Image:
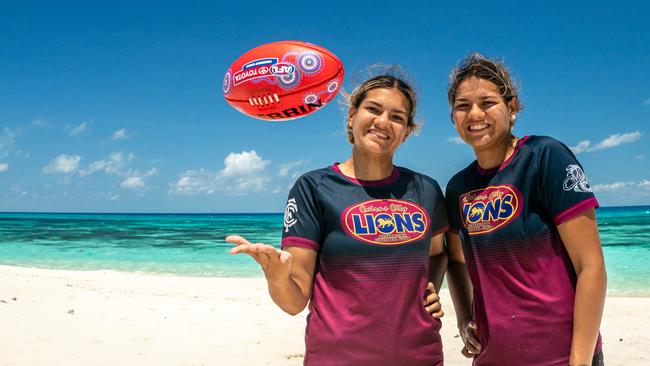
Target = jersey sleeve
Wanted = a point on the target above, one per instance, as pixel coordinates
(439, 223)
(564, 188)
(302, 217)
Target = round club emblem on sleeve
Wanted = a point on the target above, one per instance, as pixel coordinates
(289, 214)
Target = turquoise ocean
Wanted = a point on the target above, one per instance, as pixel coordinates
(193, 244)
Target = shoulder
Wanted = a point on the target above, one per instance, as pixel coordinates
(314, 177)
(544, 144)
(458, 180)
(419, 178)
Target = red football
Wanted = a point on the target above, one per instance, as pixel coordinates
(283, 80)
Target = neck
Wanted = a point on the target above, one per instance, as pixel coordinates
(494, 157)
(365, 167)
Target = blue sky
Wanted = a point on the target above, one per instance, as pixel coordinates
(118, 108)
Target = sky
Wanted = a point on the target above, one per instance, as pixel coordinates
(118, 108)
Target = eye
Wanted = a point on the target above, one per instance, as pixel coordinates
(489, 103)
(372, 109)
(398, 118)
(461, 107)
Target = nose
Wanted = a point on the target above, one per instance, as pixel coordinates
(381, 119)
(476, 113)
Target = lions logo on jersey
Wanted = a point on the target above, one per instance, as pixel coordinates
(385, 222)
(485, 210)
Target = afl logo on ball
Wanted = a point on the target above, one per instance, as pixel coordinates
(282, 69)
(485, 210)
(385, 222)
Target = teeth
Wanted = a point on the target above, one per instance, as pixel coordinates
(477, 127)
(379, 134)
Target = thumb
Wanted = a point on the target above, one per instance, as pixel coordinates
(431, 288)
(285, 257)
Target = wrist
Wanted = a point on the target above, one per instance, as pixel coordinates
(275, 278)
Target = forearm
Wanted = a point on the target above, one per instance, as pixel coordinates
(288, 294)
(588, 309)
(437, 269)
(460, 289)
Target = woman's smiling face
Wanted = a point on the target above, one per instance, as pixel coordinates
(379, 125)
(481, 116)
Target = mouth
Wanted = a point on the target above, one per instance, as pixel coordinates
(477, 127)
(379, 134)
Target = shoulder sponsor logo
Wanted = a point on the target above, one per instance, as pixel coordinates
(290, 214)
(385, 222)
(576, 180)
(486, 210)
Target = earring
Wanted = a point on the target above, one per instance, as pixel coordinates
(514, 117)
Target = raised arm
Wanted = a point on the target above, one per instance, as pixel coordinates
(289, 273)
(581, 240)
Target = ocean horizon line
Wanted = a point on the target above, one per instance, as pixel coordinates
(208, 213)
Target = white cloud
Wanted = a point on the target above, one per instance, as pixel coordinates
(193, 182)
(244, 163)
(616, 186)
(639, 157)
(7, 139)
(4, 167)
(611, 187)
(115, 164)
(120, 134)
(609, 142)
(136, 180)
(133, 183)
(647, 101)
(284, 168)
(39, 123)
(243, 172)
(455, 140)
(63, 164)
(76, 131)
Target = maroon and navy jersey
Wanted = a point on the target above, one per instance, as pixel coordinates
(524, 282)
(372, 240)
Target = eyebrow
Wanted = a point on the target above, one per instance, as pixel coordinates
(381, 106)
(481, 98)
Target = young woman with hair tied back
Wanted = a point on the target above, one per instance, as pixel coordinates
(362, 244)
(523, 226)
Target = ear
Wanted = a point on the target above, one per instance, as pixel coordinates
(409, 130)
(351, 114)
(513, 106)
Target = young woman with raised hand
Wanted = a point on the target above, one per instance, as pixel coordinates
(357, 243)
(523, 226)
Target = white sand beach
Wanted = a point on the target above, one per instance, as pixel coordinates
(54, 317)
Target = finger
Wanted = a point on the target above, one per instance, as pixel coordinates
(242, 248)
(472, 343)
(432, 298)
(430, 287)
(237, 240)
(264, 248)
(438, 314)
(466, 353)
(472, 325)
(285, 257)
(435, 306)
